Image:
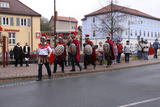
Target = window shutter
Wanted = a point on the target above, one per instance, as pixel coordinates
(11, 21)
(29, 22)
(0, 21)
(17, 22)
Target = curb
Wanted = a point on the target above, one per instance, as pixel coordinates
(59, 75)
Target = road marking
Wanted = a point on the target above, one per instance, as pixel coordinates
(140, 102)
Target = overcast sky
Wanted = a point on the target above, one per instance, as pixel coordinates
(79, 8)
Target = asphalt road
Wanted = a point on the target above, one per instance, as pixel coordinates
(135, 87)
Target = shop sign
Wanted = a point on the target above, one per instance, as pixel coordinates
(9, 30)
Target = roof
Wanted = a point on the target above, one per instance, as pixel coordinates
(62, 18)
(18, 8)
(118, 8)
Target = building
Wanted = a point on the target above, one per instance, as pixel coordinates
(64, 24)
(19, 23)
(135, 24)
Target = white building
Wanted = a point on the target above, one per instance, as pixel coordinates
(135, 25)
(64, 24)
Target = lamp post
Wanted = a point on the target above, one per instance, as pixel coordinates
(55, 18)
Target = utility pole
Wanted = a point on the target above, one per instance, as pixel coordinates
(55, 18)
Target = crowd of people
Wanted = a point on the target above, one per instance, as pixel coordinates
(67, 52)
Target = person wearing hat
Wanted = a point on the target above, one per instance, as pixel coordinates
(75, 59)
(127, 51)
(43, 52)
(60, 59)
(89, 59)
(111, 43)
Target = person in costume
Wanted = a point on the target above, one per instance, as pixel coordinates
(89, 59)
(75, 58)
(110, 42)
(61, 58)
(44, 52)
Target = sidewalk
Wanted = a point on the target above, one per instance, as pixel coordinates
(12, 72)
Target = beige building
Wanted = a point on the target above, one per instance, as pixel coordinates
(19, 23)
(64, 24)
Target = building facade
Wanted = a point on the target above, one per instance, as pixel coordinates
(64, 24)
(19, 23)
(135, 25)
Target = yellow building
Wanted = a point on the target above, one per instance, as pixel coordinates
(19, 23)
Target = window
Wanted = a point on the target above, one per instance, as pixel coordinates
(93, 19)
(159, 35)
(140, 33)
(135, 32)
(12, 39)
(131, 32)
(148, 34)
(94, 33)
(4, 5)
(155, 34)
(22, 22)
(151, 34)
(144, 33)
(5, 21)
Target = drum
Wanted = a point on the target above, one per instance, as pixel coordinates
(72, 49)
(106, 47)
(59, 50)
(88, 50)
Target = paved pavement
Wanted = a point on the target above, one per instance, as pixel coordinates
(31, 71)
(131, 87)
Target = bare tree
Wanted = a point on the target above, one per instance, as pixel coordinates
(110, 23)
(45, 24)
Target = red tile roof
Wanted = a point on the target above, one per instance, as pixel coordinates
(17, 8)
(68, 19)
(121, 9)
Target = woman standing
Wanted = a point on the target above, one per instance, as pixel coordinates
(44, 52)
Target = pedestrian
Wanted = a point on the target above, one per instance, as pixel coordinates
(146, 49)
(89, 53)
(43, 52)
(26, 51)
(127, 51)
(100, 53)
(156, 46)
(142, 44)
(139, 50)
(11, 53)
(60, 54)
(18, 55)
(75, 52)
(120, 51)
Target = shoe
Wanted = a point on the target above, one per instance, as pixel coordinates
(73, 70)
(39, 79)
(80, 68)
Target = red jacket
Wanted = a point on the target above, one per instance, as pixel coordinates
(112, 48)
(120, 48)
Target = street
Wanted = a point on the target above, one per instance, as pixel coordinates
(132, 87)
